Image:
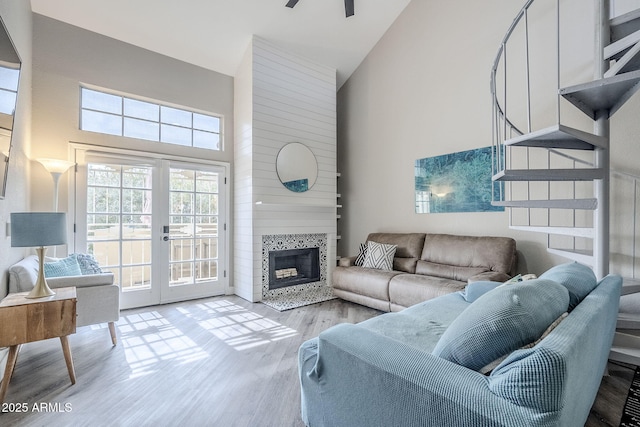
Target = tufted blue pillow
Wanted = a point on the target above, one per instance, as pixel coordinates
(577, 278)
(63, 267)
(88, 264)
(501, 321)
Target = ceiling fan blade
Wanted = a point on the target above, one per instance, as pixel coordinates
(291, 3)
(348, 8)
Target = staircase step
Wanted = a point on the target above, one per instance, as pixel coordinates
(603, 94)
(586, 204)
(623, 25)
(629, 62)
(562, 231)
(616, 49)
(582, 256)
(586, 174)
(559, 136)
(625, 348)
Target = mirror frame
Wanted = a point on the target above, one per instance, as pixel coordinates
(297, 167)
(10, 59)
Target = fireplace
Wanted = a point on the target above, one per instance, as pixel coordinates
(290, 267)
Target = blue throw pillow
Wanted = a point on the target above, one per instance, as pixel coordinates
(88, 264)
(501, 321)
(63, 267)
(475, 290)
(577, 278)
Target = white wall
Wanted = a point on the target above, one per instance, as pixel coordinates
(291, 99)
(423, 91)
(66, 56)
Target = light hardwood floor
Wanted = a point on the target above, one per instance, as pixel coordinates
(214, 362)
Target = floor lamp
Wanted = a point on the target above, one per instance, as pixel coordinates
(56, 168)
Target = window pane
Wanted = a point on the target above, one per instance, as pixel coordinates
(173, 116)
(106, 253)
(181, 203)
(141, 129)
(141, 109)
(208, 123)
(7, 102)
(136, 201)
(207, 204)
(206, 182)
(136, 177)
(101, 101)
(207, 270)
(135, 277)
(101, 122)
(206, 140)
(9, 78)
(105, 227)
(175, 135)
(181, 180)
(104, 175)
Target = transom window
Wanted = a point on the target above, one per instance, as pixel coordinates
(119, 115)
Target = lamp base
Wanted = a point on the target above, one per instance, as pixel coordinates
(41, 289)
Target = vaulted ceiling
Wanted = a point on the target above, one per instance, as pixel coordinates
(215, 34)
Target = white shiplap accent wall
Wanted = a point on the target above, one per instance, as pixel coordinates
(292, 99)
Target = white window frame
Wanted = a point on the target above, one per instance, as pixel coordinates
(122, 116)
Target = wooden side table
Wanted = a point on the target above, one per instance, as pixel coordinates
(24, 320)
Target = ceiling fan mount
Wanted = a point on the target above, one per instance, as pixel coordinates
(348, 6)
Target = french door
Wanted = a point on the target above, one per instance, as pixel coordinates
(159, 225)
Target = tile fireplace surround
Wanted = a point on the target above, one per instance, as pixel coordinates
(297, 295)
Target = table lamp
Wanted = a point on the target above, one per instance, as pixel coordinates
(39, 229)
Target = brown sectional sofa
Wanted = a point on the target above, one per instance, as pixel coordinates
(425, 266)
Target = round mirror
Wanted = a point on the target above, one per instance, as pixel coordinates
(297, 167)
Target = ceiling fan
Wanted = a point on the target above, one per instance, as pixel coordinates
(348, 6)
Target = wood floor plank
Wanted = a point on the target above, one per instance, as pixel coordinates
(213, 362)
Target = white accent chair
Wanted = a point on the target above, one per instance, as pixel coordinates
(98, 297)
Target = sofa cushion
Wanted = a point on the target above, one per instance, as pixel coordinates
(409, 248)
(406, 290)
(452, 272)
(365, 281)
(501, 321)
(379, 256)
(577, 278)
(63, 267)
(490, 253)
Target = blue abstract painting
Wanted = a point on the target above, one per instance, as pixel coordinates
(457, 182)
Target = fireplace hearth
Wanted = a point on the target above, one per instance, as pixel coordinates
(290, 267)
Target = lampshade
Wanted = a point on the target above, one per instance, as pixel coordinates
(56, 165)
(30, 229)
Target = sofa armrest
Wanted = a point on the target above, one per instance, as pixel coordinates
(348, 261)
(489, 276)
(84, 281)
(356, 377)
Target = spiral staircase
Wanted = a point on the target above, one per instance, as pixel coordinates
(556, 180)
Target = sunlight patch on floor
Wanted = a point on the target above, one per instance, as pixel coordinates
(148, 339)
(237, 326)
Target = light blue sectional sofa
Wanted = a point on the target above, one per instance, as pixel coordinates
(425, 365)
